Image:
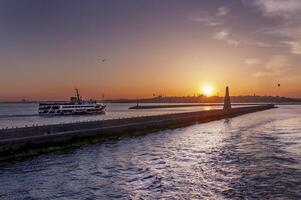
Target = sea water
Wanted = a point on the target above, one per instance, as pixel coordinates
(253, 156)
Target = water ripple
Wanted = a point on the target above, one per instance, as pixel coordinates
(255, 156)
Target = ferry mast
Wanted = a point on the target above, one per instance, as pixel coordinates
(78, 97)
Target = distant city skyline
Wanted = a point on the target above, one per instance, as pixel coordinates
(137, 48)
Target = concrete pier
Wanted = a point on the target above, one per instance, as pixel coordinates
(19, 141)
(189, 105)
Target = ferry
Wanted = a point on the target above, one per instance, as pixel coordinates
(76, 106)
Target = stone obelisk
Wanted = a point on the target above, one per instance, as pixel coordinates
(227, 102)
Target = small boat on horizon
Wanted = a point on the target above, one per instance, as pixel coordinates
(76, 106)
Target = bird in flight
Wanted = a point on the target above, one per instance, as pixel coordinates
(103, 59)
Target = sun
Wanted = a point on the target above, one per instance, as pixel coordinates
(207, 90)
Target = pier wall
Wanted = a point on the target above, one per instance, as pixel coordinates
(139, 107)
(17, 140)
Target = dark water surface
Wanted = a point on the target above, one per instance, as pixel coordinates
(26, 114)
(254, 156)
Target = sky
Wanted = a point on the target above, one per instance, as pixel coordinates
(170, 47)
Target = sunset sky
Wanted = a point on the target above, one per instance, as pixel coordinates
(167, 47)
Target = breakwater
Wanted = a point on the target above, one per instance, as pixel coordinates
(188, 105)
(22, 140)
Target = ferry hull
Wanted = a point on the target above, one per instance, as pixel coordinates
(82, 111)
(76, 106)
(75, 113)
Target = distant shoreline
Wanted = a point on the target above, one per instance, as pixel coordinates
(191, 99)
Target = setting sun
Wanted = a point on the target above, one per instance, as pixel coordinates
(207, 90)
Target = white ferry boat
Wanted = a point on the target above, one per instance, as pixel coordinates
(76, 106)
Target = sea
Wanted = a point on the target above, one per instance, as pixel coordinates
(253, 156)
(13, 115)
